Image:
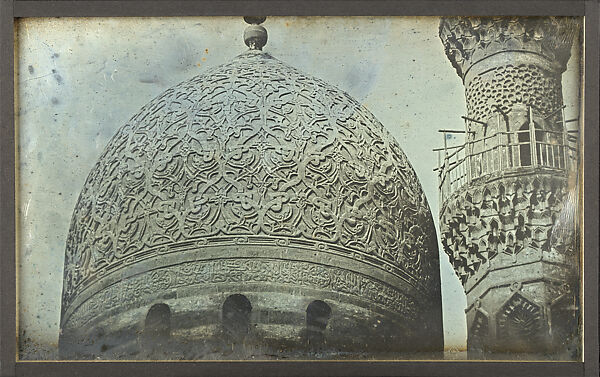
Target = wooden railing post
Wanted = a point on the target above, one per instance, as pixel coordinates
(565, 145)
(446, 167)
(517, 150)
(468, 160)
(467, 150)
(532, 140)
(499, 151)
(499, 141)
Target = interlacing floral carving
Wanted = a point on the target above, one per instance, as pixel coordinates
(252, 147)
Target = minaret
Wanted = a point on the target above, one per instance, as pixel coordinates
(508, 195)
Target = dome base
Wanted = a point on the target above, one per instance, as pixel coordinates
(278, 325)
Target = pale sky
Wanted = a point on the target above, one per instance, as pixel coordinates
(79, 80)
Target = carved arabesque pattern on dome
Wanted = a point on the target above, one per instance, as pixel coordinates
(251, 147)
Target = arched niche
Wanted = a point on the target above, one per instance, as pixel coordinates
(317, 316)
(236, 317)
(157, 326)
(525, 141)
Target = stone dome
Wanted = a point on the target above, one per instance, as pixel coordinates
(252, 177)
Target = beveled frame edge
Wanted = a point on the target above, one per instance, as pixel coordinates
(7, 193)
(11, 9)
(590, 188)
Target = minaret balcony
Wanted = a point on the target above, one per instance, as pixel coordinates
(503, 153)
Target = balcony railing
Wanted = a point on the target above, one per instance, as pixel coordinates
(502, 152)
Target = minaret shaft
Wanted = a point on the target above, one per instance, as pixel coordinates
(507, 194)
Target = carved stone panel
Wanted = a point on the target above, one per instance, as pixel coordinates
(520, 325)
(479, 333)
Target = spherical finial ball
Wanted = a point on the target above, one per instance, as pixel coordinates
(255, 37)
(253, 20)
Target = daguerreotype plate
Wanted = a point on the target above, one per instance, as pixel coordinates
(298, 194)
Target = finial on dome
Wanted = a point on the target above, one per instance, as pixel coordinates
(255, 36)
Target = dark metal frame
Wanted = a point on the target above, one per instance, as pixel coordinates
(11, 9)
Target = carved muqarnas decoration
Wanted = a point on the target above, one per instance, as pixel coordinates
(468, 39)
(507, 218)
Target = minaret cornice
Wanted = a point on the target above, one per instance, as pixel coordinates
(470, 40)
